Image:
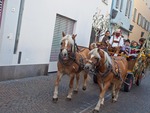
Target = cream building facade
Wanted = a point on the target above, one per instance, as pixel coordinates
(140, 20)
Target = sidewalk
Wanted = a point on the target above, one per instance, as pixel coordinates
(34, 95)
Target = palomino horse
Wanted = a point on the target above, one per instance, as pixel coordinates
(70, 63)
(108, 71)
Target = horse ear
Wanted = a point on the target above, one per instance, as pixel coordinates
(63, 34)
(74, 36)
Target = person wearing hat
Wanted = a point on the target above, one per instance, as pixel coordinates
(116, 41)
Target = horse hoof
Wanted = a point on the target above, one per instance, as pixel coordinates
(84, 88)
(113, 101)
(55, 100)
(68, 99)
(95, 111)
(75, 91)
(102, 105)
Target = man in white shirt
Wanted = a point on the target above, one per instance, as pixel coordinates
(116, 40)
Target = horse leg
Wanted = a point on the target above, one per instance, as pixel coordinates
(70, 86)
(77, 83)
(101, 97)
(84, 81)
(116, 90)
(113, 92)
(55, 96)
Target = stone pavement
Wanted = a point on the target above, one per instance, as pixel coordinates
(34, 95)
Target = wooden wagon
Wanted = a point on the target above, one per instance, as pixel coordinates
(136, 70)
(137, 66)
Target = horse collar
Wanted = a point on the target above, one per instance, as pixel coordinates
(108, 70)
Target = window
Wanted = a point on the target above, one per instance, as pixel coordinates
(141, 22)
(134, 15)
(1, 10)
(129, 11)
(146, 25)
(128, 8)
(121, 5)
(117, 4)
(149, 26)
(126, 12)
(62, 24)
(139, 19)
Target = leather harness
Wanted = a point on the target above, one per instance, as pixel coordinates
(72, 59)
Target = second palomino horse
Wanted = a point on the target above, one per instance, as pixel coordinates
(108, 71)
(70, 63)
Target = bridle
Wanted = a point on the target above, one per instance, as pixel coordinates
(97, 65)
(71, 56)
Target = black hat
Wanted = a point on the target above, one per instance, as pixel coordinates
(127, 40)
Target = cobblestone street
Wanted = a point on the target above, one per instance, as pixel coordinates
(34, 95)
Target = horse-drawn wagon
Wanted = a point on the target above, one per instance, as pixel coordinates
(137, 66)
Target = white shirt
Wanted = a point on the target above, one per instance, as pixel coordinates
(114, 38)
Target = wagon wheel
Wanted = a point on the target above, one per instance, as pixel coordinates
(95, 78)
(128, 83)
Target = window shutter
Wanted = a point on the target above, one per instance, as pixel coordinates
(62, 24)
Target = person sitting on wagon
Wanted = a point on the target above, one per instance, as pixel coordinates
(104, 41)
(141, 42)
(116, 41)
(134, 49)
(126, 49)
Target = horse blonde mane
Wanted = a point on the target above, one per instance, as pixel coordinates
(69, 38)
(97, 55)
(107, 57)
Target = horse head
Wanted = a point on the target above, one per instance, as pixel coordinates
(67, 45)
(97, 57)
(93, 60)
(92, 46)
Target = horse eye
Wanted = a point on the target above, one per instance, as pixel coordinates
(61, 43)
(96, 58)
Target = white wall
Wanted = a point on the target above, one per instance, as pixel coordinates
(83, 12)
(38, 23)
